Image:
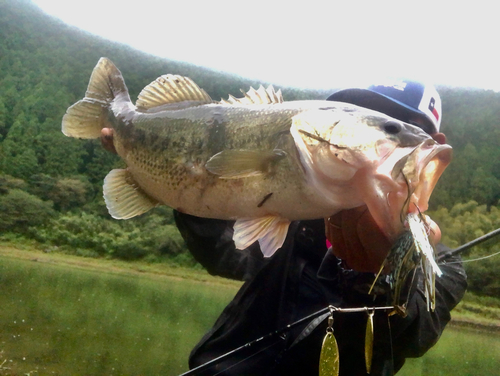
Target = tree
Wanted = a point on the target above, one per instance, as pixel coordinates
(19, 210)
(463, 223)
(70, 193)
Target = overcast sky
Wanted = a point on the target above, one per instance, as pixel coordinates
(318, 44)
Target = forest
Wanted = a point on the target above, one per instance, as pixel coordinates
(51, 185)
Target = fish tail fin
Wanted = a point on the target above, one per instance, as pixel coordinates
(87, 117)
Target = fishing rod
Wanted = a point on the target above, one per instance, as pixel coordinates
(474, 242)
(319, 315)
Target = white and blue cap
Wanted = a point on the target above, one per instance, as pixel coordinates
(407, 100)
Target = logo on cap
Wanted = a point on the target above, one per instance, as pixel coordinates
(432, 108)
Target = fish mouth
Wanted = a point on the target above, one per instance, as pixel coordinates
(421, 171)
(403, 184)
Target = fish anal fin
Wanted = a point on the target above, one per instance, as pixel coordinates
(270, 231)
(259, 96)
(236, 164)
(124, 199)
(169, 89)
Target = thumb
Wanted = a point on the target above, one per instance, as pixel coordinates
(435, 231)
(107, 139)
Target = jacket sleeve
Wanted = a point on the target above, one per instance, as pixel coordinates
(421, 328)
(211, 244)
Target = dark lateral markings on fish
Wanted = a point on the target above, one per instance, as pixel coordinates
(266, 197)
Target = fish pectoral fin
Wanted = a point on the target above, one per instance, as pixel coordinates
(236, 164)
(124, 199)
(270, 231)
(170, 89)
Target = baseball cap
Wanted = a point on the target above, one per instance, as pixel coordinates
(403, 99)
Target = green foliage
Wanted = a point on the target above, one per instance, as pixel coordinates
(68, 193)
(81, 232)
(471, 122)
(3, 120)
(19, 210)
(464, 223)
(8, 182)
(483, 277)
(65, 193)
(27, 208)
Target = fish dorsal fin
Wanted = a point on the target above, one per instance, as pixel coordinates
(260, 96)
(237, 164)
(170, 89)
(270, 231)
(124, 199)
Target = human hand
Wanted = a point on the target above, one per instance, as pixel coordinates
(357, 240)
(107, 139)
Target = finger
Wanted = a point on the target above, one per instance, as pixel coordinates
(435, 231)
(440, 138)
(107, 139)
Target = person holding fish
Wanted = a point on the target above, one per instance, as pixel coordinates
(249, 179)
(308, 274)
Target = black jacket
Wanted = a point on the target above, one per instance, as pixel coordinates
(300, 279)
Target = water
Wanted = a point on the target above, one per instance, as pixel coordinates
(66, 321)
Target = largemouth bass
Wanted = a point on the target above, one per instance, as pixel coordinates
(257, 160)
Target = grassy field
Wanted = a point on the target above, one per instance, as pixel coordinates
(64, 315)
(69, 316)
(459, 352)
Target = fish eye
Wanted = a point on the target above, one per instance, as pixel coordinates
(392, 127)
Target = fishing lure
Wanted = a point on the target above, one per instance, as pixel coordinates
(411, 250)
(369, 341)
(329, 357)
(430, 268)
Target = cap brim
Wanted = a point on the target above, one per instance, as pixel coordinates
(381, 103)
